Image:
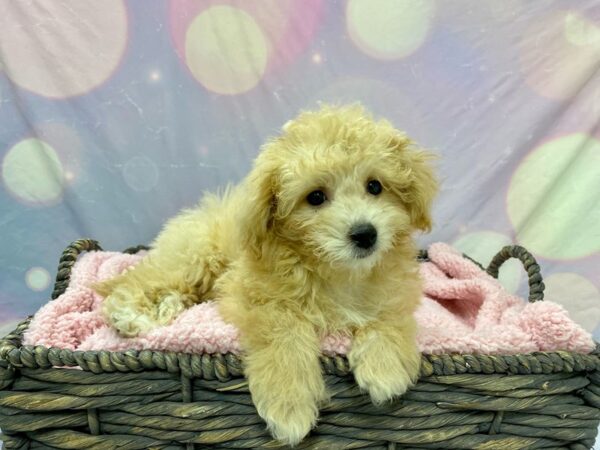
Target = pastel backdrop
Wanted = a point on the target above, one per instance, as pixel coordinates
(116, 114)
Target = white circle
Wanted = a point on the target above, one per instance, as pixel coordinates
(389, 29)
(37, 278)
(552, 198)
(580, 31)
(60, 49)
(140, 173)
(33, 173)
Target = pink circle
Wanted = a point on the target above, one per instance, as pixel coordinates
(58, 50)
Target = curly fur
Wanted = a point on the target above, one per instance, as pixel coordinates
(285, 272)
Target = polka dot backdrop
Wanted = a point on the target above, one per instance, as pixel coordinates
(117, 114)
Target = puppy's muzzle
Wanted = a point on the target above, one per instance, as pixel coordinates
(364, 236)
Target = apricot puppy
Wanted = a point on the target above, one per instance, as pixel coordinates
(316, 240)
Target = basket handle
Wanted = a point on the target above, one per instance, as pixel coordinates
(68, 259)
(536, 283)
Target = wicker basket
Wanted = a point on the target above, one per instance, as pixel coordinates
(153, 400)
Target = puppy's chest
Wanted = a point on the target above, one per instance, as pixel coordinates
(345, 306)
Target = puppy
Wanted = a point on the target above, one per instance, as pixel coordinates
(316, 240)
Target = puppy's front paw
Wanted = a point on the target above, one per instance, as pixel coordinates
(288, 419)
(382, 385)
(384, 372)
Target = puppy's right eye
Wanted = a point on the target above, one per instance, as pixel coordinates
(316, 198)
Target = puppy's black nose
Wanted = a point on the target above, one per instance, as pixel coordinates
(363, 235)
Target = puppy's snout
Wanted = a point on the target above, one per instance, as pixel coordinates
(363, 235)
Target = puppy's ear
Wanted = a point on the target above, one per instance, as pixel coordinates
(417, 183)
(256, 214)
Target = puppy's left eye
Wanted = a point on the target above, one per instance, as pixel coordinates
(374, 187)
(316, 198)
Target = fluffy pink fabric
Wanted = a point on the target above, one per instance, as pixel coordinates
(463, 310)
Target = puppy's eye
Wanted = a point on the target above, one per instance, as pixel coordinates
(374, 187)
(316, 198)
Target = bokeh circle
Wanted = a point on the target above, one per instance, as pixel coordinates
(37, 278)
(273, 33)
(59, 51)
(389, 29)
(226, 50)
(552, 199)
(140, 173)
(33, 173)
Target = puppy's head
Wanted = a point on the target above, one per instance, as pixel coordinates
(338, 188)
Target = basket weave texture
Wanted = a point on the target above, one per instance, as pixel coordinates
(157, 400)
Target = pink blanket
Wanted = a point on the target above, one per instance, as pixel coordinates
(463, 310)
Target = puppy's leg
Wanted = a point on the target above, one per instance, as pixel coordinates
(384, 358)
(179, 271)
(283, 370)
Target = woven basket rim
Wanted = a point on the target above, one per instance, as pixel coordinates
(225, 366)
